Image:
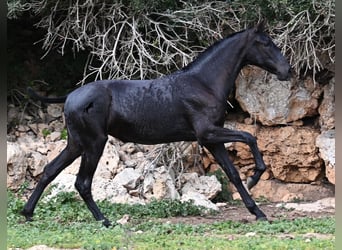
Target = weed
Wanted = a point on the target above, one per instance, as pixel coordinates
(46, 132)
(225, 194)
(64, 134)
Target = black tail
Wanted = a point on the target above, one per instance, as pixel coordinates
(34, 95)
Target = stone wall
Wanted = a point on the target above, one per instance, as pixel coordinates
(294, 124)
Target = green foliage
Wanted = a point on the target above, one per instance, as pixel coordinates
(64, 134)
(154, 209)
(274, 11)
(46, 132)
(225, 194)
(148, 5)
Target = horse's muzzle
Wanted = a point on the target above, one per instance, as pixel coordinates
(286, 75)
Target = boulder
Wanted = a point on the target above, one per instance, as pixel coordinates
(304, 100)
(273, 102)
(321, 205)
(104, 189)
(163, 185)
(209, 186)
(36, 162)
(199, 200)
(326, 144)
(128, 178)
(16, 166)
(109, 164)
(54, 136)
(55, 110)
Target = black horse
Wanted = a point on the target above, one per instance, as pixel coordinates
(188, 105)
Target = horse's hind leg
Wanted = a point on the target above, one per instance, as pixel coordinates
(90, 159)
(223, 135)
(51, 170)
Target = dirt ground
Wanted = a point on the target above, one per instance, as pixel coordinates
(273, 211)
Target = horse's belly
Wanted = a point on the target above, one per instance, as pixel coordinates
(153, 132)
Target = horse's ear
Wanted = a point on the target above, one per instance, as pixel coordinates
(260, 27)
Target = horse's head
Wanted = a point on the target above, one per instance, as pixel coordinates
(265, 54)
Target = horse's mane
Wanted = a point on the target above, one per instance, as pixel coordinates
(209, 50)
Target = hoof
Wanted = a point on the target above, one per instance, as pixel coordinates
(28, 217)
(106, 223)
(263, 218)
(250, 183)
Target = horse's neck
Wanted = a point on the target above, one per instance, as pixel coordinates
(220, 68)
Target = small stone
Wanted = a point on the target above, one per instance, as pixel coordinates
(250, 234)
(124, 220)
(55, 110)
(248, 121)
(54, 136)
(130, 163)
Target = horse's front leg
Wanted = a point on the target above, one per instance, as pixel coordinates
(219, 152)
(223, 135)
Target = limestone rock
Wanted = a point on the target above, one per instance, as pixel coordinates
(62, 183)
(54, 136)
(326, 144)
(290, 153)
(104, 189)
(55, 110)
(264, 98)
(209, 186)
(303, 101)
(274, 102)
(127, 178)
(16, 165)
(317, 206)
(276, 191)
(109, 162)
(36, 162)
(327, 107)
(199, 200)
(163, 185)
